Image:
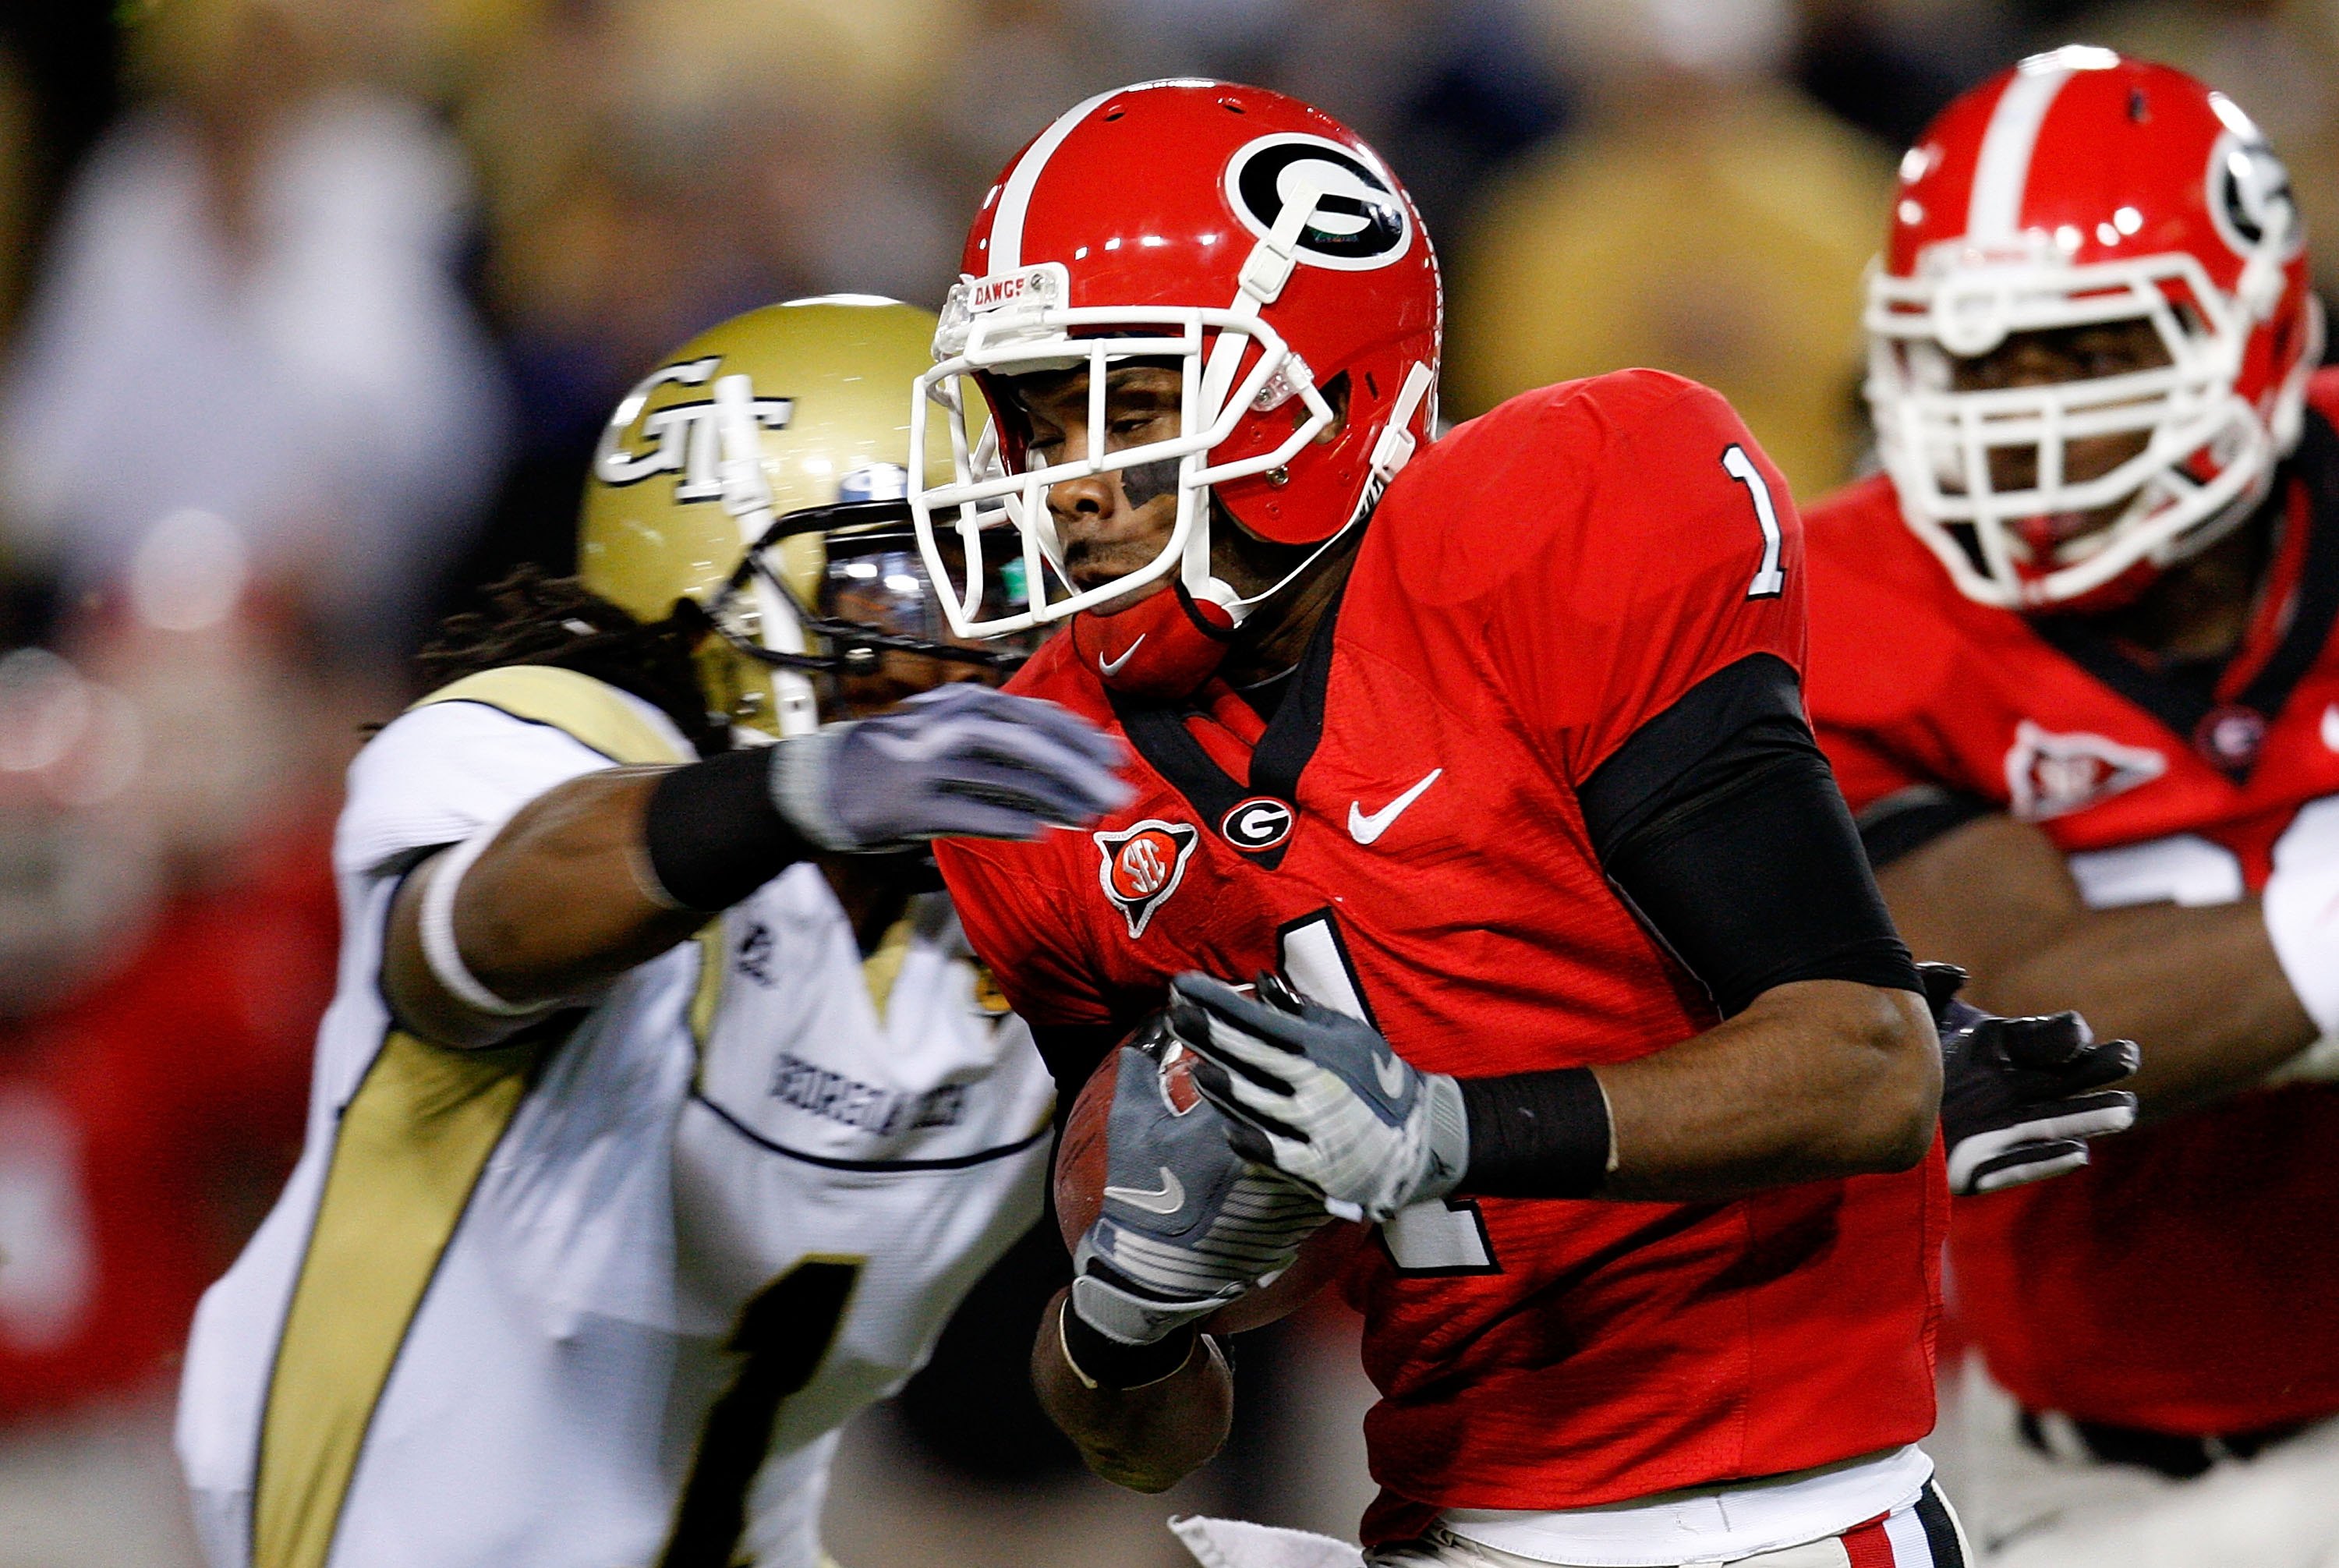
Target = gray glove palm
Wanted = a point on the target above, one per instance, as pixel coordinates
(962, 761)
(1321, 1097)
(1187, 1225)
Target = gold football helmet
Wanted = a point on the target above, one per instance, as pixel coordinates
(757, 481)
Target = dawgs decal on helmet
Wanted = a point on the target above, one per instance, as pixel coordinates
(1142, 865)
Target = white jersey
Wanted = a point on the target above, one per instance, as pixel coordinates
(600, 1297)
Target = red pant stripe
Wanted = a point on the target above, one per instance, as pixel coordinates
(1867, 1547)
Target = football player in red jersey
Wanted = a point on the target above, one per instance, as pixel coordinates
(2072, 660)
(1572, 958)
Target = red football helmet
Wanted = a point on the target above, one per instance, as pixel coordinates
(1253, 241)
(2083, 187)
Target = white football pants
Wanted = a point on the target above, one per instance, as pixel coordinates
(2025, 1509)
(1902, 1542)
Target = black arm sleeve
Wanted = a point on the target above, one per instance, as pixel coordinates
(1720, 821)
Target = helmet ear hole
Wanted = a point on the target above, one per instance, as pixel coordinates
(1336, 393)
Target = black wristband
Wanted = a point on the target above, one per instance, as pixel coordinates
(714, 835)
(1536, 1135)
(1109, 1364)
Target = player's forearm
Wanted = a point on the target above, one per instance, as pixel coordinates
(553, 906)
(1147, 1438)
(2197, 989)
(2196, 986)
(1816, 1080)
(564, 898)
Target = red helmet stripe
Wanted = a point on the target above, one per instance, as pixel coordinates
(1015, 194)
(2002, 171)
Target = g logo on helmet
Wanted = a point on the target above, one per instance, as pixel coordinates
(1359, 222)
(1142, 866)
(2249, 193)
(1260, 821)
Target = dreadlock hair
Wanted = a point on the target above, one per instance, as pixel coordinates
(536, 619)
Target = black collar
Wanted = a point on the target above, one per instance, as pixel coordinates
(2179, 698)
(1159, 732)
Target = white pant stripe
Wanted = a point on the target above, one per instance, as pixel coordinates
(1906, 1532)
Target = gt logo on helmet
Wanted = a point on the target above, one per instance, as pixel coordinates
(684, 434)
(1358, 223)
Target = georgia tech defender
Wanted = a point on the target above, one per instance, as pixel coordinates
(614, 1208)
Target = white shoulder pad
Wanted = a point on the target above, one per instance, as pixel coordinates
(471, 755)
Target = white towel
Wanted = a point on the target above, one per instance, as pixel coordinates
(1237, 1544)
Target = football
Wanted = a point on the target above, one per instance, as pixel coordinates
(1080, 1192)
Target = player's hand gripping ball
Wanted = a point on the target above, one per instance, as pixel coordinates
(1167, 1224)
(2021, 1097)
(1321, 1097)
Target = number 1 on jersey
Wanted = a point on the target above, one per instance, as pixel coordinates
(1770, 578)
(1441, 1237)
(784, 1336)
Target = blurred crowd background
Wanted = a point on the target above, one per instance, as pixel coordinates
(310, 311)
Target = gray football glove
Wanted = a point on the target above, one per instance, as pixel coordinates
(1187, 1226)
(1319, 1096)
(2021, 1097)
(962, 761)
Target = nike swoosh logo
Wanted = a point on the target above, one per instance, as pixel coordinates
(1391, 1073)
(1168, 1200)
(2331, 726)
(1364, 829)
(1112, 666)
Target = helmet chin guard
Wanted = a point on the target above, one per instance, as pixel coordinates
(1160, 648)
(747, 497)
(1266, 253)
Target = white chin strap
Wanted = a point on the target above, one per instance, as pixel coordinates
(1391, 452)
(748, 498)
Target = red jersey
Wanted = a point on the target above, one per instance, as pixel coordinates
(1532, 588)
(130, 1113)
(2184, 1280)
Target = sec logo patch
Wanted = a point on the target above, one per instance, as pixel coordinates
(1262, 821)
(1142, 866)
(2051, 775)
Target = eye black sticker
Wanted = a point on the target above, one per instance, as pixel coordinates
(1360, 222)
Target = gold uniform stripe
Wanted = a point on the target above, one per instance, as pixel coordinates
(411, 1148)
(594, 716)
(408, 1154)
(577, 704)
(881, 968)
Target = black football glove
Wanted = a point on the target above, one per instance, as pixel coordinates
(2021, 1097)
